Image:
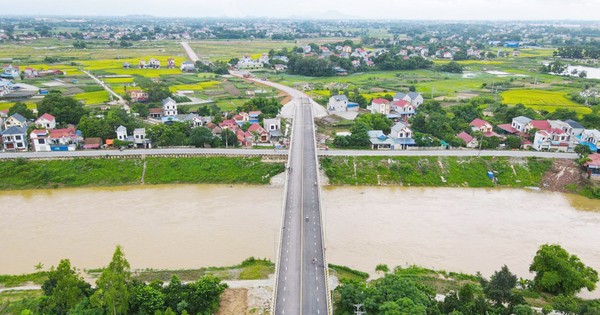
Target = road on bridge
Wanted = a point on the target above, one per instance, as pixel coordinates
(301, 270)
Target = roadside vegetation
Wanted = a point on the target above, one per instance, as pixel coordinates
(435, 171)
(80, 172)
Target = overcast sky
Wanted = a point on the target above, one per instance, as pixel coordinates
(366, 9)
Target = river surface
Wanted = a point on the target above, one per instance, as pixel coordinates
(191, 226)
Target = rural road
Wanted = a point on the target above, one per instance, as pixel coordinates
(301, 281)
(269, 152)
(104, 86)
(190, 52)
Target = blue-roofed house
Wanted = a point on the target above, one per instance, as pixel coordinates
(16, 120)
(11, 73)
(576, 128)
(15, 139)
(5, 87)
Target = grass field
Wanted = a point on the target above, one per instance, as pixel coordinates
(542, 99)
(93, 98)
(7, 105)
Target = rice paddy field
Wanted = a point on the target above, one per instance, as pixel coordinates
(518, 74)
(543, 100)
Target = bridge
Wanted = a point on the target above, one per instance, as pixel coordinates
(301, 284)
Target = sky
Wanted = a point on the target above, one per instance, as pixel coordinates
(359, 9)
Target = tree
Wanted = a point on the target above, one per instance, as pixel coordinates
(499, 288)
(21, 109)
(96, 127)
(158, 92)
(452, 67)
(112, 292)
(168, 135)
(65, 109)
(64, 288)
(228, 138)
(563, 114)
(512, 142)
(146, 299)
(558, 272)
(204, 295)
(382, 268)
(201, 137)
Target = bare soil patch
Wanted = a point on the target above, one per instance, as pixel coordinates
(563, 173)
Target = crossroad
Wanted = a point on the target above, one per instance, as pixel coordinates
(301, 286)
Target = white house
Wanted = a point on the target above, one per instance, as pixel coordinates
(16, 120)
(380, 106)
(40, 140)
(591, 136)
(5, 87)
(188, 66)
(46, 121)
(139, 138)
(169, 107)
(401, 131)
(247, 63)
(553, 140)
(404, 109)
(122, 133)
(561, 125)
(337, 103)
(577, 129)
(416, 99)
(520, 123)
(15, 139)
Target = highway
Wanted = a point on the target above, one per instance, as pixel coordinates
(270, 152)
(301, 274)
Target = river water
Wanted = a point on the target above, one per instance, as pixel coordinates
(191, 226)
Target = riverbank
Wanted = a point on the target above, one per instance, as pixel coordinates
(558, 175)
(89, 172)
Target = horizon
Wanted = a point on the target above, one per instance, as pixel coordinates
(426, 10)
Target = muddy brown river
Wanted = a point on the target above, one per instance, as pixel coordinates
(191, 226)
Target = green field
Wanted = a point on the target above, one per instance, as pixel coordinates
(93, 98)
(542, 100)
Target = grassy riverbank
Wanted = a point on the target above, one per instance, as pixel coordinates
(435, 171)
(79, 172)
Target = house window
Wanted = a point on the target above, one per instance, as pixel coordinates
(19, 145)
(41, 141)
(17, 137)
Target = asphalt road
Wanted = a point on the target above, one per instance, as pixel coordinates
(301, 281)
(196, 151)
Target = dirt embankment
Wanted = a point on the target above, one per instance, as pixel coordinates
(564, 173)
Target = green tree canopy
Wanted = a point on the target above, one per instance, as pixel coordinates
(64, 289)
(21, 108)
(65, 109)
(558, 272)
(112, 292)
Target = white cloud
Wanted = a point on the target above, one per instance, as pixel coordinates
(369, 9)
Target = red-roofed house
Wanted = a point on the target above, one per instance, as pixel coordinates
(137, 95)
(553, 140)
(539, 125)
(46, 121)
(380, 106)
(593, 166)
(481, 126)
(403, 108)
(156, 113)
(469, 140)
(261, 134)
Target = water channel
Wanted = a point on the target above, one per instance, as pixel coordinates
(191, 226)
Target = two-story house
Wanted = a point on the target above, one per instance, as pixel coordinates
(273, 126)
(14, 138)
(122, 133)
(337, 103)
(140, 139)
(520, 123)
(404, 109)
(46, 121)
(415, 99)
(553, 140)
(169, 107)
(16, 120)
(481, 125)
(591, 136)
(380, 106)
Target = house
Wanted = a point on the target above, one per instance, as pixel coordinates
(337, 103)
(593, 166)
(5, 87)
(280, 68)
(40, 140)
(137, 95)
(126, 65)
(404, 109)
(590, 136)
(30, 73)
(11, 73)
(539, 125)
(15, 139)
(401, 131)
(122, 133)
(253, 116)
(481, 126)
(259, 132)
(140, 140)
(576, 128)
(469, 140)
(16, 120)
(273, 126)
(188, 66)
(558, 124)
(553, 140)
(155, 64)
(194, 120)
(520, 123)
(169, 107)
(247, 63)
(415, 99)
(46, 121)
(92, 143)
(156, 113)
(381, 141)
(171, 63)
(380, 105)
